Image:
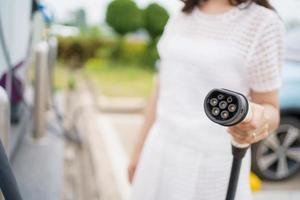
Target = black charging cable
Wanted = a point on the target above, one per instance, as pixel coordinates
(238, 155)
(229, 108)
(8, 183)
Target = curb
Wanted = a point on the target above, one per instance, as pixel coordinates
(105, 183)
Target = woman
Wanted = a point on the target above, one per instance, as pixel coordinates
(233, 44)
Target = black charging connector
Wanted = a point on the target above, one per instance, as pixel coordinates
(229, 108)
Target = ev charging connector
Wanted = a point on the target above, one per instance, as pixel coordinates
(228, 108)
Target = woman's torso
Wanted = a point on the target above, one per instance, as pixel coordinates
(200, 52)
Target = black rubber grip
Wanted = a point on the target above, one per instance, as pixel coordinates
(8, 183)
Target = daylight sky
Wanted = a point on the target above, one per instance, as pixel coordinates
(95, 9)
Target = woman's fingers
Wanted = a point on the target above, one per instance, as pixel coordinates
(253, 130)
(257, 120)
(130, 174)
(249, 136)
(238, 135)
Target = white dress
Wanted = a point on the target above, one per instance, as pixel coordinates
(186, 156)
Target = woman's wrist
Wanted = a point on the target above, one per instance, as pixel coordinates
(273, 116)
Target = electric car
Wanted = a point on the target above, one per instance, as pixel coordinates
(278, 157)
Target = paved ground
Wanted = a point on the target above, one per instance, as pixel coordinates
(38, 169)
(88, 170)
(79, 181)
(38, 165)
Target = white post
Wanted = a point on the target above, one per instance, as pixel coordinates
(41, 89)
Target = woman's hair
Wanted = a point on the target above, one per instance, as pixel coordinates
(189, 5)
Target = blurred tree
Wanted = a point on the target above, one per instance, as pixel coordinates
(124, 17)
(155, 19)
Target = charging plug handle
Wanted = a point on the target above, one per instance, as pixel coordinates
(238, 153)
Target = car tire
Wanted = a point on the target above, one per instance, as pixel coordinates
(278, 157)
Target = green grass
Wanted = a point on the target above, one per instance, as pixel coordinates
(117, 79)
(63, 77)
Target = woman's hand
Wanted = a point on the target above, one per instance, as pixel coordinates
(132, 167)
(149, 120)
(254, 129)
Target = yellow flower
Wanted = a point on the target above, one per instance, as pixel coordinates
(255, 182)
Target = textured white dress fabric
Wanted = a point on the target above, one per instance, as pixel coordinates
(187, 157)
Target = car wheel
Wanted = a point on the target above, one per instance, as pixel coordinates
(278, 156)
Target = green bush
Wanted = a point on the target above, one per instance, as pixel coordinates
(91, 32)
(133, 51)
(151, 55)
(118, 78)
(155, 19)
(124, 16)
(77, 50)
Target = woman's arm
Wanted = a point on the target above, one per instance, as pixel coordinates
(265, 119)
(148, 122)
(270, 102)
